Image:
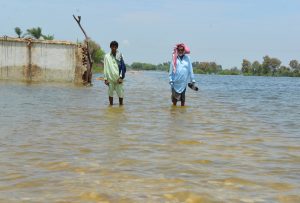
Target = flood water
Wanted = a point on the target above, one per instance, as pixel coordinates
(237, 140)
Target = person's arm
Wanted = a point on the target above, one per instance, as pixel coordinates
(191, 71)
(105, 73)
(171, 73)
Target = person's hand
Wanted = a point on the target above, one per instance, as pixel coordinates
(120, 80)
(106, 82)
(193, 86)
(171, 83)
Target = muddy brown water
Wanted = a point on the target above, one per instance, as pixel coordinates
(237, 140)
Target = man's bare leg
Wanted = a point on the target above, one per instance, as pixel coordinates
(174, 101)
(120, 101)
(111, 100)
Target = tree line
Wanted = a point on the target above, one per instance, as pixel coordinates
(35, 33)
(147, 66)
(269, 67)
(198, 67)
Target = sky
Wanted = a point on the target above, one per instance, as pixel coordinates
(223, 31)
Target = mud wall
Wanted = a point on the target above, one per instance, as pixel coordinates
(40, 60)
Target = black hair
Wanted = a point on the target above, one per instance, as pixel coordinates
(114, 43)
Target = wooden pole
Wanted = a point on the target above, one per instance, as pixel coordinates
(88, 76)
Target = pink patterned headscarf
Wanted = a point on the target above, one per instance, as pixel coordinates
(175, 53)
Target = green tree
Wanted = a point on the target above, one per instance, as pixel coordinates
(284, 71)
(203, 67)
(97, 53)
(35, 32)
(18, 31)
(275, 64)
(136, 66)
(143, 66)
(256, 68)
(232, 71)
(48, 37)
(246, 67)
(214, 67)
(206, 67)
(294, 64)
(99, 56)
(266, 67)
(195, 64)
(163, 67)
(235, 70)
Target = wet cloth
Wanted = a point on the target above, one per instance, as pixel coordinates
(178, 96)
(115, 86)
(183, 74)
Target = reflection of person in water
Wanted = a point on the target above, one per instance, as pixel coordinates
(181, 73)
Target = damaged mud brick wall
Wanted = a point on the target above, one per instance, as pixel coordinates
(40, 60)
(82, 57)
(85, 62)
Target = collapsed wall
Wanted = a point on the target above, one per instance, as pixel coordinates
(27, 59)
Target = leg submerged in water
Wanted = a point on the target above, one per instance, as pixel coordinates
(178, 97)
(111, 100)
(120, 101)
(174, 101)
(173, 97)
(182, 98)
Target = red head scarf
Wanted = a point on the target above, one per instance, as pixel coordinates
(175, 54)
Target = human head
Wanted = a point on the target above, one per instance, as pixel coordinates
(114, 46)
(180, 50)
(186, 48)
